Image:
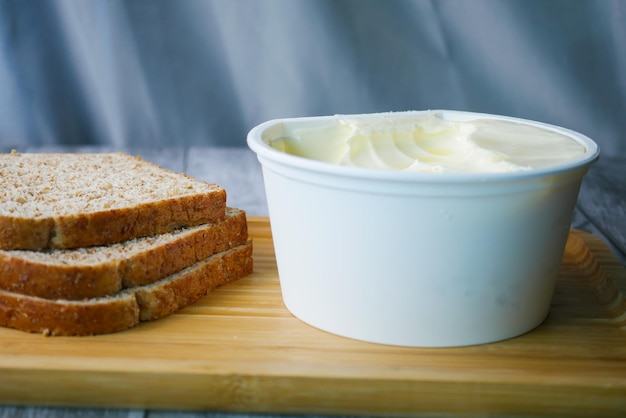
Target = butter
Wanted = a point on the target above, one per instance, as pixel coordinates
(426, 142)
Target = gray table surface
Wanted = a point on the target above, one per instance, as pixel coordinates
(601, 210)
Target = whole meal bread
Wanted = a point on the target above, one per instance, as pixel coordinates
(96, 243)
(78, 200)
(91, 272)
(127, 308)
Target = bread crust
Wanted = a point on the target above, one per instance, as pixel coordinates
(101, 225)
(101, 316)
(140, 262)
(25, 233)
(125, 309)
(151, 218)
(186, 287)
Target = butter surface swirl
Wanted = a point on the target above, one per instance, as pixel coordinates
(429, 143)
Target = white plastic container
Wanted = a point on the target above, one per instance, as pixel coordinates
(417, 259)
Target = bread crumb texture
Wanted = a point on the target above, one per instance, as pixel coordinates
(50, 185)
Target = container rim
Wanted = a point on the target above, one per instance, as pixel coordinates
(265, 152)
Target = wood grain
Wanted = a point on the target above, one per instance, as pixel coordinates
(240, 350)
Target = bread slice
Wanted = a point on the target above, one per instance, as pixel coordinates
(80, 200)
(128, 307)
(103, 270)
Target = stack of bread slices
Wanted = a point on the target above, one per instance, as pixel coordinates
(96, 243)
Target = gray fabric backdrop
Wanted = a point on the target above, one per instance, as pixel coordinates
(164, 72)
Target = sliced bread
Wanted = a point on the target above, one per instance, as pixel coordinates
(104, 270)
(80, 200)
(128, 307)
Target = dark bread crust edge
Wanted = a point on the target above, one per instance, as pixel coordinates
(109, 226)
(75, 282)
(185, 288)
(114, 225)
(127, 308)
(29, 234)
(152, 218)
(48, 317)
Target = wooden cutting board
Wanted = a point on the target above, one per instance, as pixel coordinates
(239, 349)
